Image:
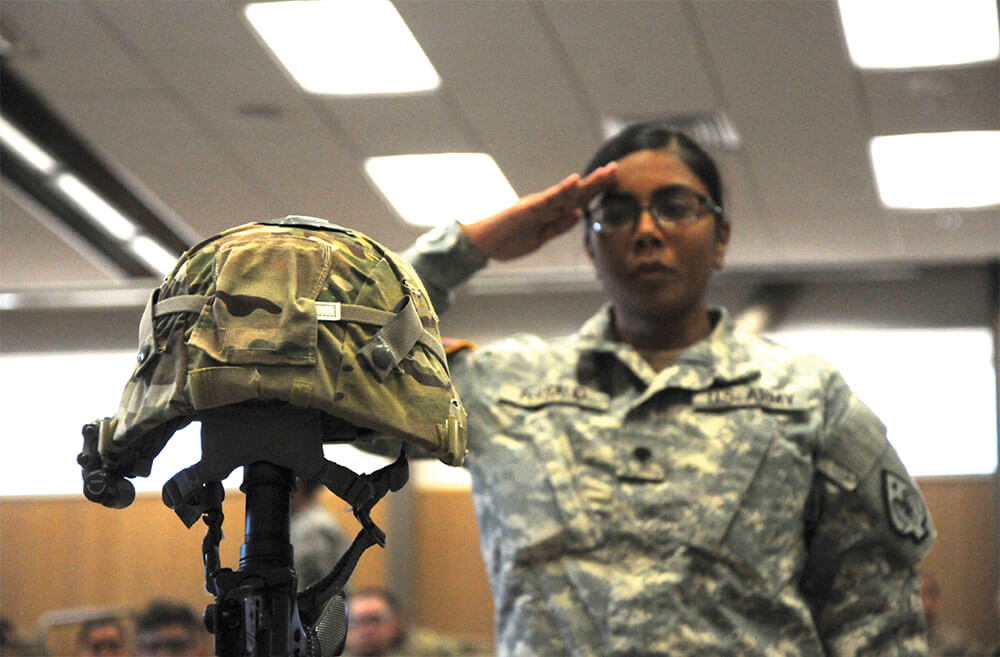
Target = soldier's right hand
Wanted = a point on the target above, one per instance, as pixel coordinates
(536, 218)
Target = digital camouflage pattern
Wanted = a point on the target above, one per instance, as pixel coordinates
(258, 336)
(742, 501)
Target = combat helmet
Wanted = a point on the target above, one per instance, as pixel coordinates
(296, 310)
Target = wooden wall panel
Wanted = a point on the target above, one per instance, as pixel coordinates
(65, 552)
(451, 590)
(966, 558)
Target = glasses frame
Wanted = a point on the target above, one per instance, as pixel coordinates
(707, 205)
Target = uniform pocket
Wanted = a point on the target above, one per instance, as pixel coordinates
(263, 309)
(548, 502)
(755, 520)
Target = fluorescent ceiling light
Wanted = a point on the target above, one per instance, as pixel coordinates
(344, 47)
(25, 148)
(889, 34)
(153, 254)
(934, 170)
(95, 207)
(434, 189)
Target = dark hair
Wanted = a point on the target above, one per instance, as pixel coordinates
(383, 594)
(656, 135)
(91, 624)
(167, 612)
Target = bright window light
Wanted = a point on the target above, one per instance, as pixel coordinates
(43, 439)
(435, 189)
(153, 254)
(935, 390)
(933, 170)
(95, 207)
(344, 47)
(87, 386)
(25, 148)
(893, 34)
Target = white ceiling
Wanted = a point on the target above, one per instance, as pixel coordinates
(182, 96)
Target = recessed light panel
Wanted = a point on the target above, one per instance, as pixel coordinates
(434, 189)
(894, 34)
(153, 254)
(95, 207)
(25, 148)
(934, 170)
(344, 47)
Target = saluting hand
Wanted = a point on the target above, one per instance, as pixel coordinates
(536, 218)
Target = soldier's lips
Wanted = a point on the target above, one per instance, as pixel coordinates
(651, 271)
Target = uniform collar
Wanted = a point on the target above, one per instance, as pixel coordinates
(724, 355)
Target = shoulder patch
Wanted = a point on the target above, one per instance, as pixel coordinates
(904, 507)
(571, 394)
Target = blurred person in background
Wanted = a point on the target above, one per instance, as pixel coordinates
(944, 639)
(377, 628)
(168, 628)
(101, 637)
(11, 643)
(317, 540)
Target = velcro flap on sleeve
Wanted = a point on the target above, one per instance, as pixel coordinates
(854, 446)
(859, 459)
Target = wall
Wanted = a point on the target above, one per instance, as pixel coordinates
(965, 558)
(64, 553)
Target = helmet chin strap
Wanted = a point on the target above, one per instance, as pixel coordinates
(274, 444)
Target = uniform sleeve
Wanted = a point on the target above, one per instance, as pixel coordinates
(444, 258)
(871, 529)
(319, 544)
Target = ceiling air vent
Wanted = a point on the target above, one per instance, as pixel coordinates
(712, 130)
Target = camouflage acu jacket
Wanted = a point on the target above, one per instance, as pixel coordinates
(741, 502)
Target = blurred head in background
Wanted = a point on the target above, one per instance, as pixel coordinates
(168, 628)
(374, 623)
(101, 637)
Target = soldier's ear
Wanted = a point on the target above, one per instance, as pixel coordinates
(722, 230)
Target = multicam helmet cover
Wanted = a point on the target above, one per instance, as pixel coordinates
(298, 311)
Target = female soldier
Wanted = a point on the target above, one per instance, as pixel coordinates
(660, 483)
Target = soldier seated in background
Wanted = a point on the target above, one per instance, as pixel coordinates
(167, 628)
(101, 637)
(376, 628)
(318, 539)
(11, 643)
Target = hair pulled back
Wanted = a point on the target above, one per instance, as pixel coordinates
(656, 135)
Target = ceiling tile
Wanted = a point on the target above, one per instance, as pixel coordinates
(33, 255)
(963, 98)
(395, 125)
(508, 81)
(634, 58)
(65, 52)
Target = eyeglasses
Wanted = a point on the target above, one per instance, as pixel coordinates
(671, 206)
